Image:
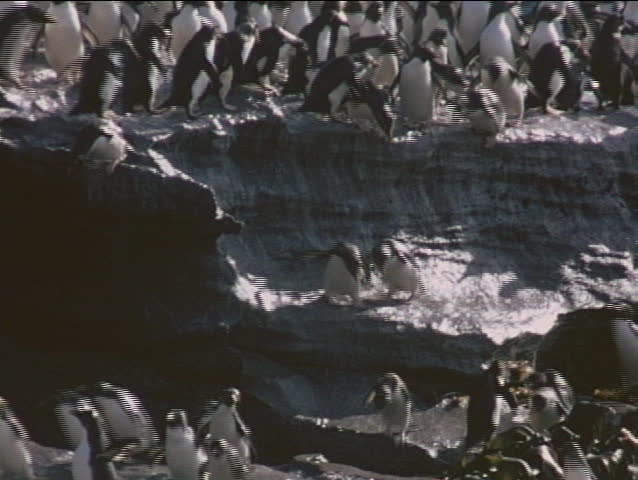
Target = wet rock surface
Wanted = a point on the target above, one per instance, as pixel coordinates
(139, 278)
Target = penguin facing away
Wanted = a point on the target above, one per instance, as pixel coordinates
(232, 53)
(390, 395)
(145, 74)
(344, 272)
(103, 77)
(184, 457)
(486, 114)
(333, 81)
(15, 458)
(194, 72)
(18, 28)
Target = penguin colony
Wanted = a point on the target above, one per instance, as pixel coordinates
(365, 62)
(521, 425)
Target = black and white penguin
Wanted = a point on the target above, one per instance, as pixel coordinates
(556, 79)
(370, 108)
(91, 459)
(232, 53)
(105, 19)
(397, 268)
(144, 75)
(184, 458)
(473, 15)
(485, 112)
(15, 458)
(496, 38)
(491, 403)
(224, 461)
(63, 40)
(390, 395)
(386, 50)
(66, 403)
(416, 91)
(333, 80)
(184, 25)
(298, 17)
(100, 145)
(545, 409)
(221, 419)
(442, 17)
(194, 72)
(274, 47)
(19, 26)
(606, 61)
(125, 415)
(328, 35)
(344, 273)
(511, 88)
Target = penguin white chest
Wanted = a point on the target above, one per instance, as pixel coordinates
(15, 458)
(343, 40)
(246, 48)
(323, 44)
(336, 97)
(105, 20)
(63, 39)
(338, 280)
(415, 90)
(222, 424)
(81, 466)
(400, 276)
(182, 457)
(496, 41)
(184, 26)
(70, 425)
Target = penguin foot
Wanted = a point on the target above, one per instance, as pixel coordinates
(230, 108)
(552, 111)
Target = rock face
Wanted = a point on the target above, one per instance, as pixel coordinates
(136, 278)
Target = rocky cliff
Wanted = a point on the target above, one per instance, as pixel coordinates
(145, 278)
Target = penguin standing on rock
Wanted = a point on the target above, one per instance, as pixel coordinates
(194, 72)
(100, 145)
(607, 57)
(500, 76)
(344, 273)
(63, 41)
(490, 402)
(15, 458)
(486, 113)
(104, 76)
(416, 91)
(18, 28)
(390, 395)
(224, 461)
(144, 76)
(222, 420)
(125, 416)
(334, 80)
(398, 269)
(183, 457)
(92, 460)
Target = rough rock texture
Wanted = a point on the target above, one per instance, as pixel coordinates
(134, 277)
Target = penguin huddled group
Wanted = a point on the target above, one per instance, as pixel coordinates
(104, 423)
(365, 62)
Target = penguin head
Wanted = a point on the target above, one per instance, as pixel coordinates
(36, 15)
(176, 418)
(230, 397)
(548, 13)
(86, 415)
(438, 37)
(374, 12)
(247, 29)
